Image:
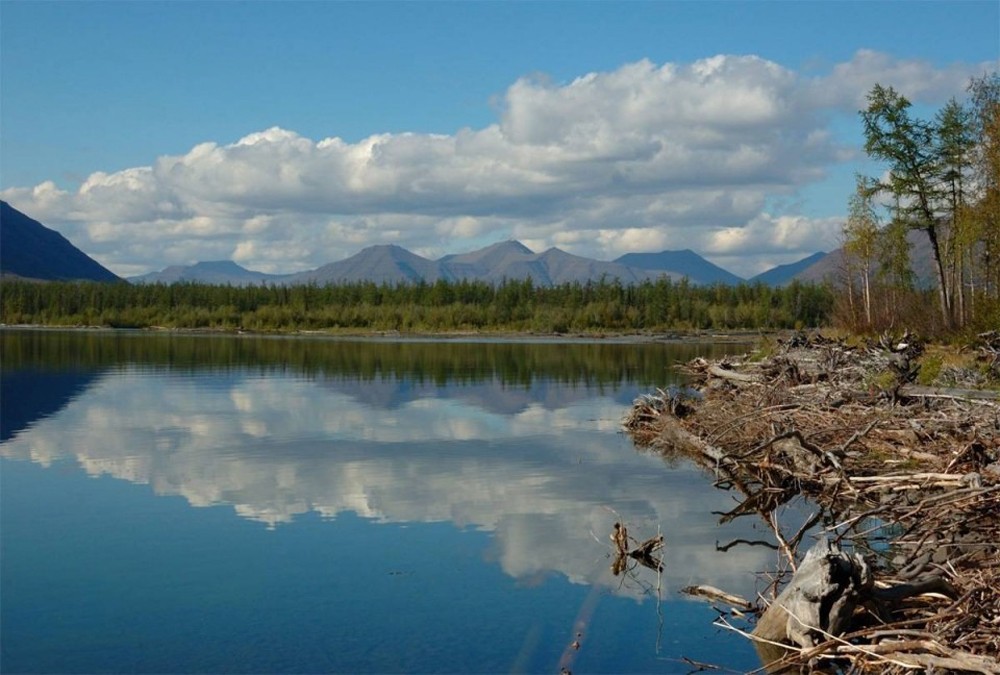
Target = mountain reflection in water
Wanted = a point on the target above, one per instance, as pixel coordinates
(520, 441)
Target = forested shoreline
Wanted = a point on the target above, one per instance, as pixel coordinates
(444, 306)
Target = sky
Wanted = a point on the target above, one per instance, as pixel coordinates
(286, 135)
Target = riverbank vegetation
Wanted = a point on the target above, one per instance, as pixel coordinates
(941, 184)
(444, 306)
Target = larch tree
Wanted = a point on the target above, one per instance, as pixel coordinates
(908, 145)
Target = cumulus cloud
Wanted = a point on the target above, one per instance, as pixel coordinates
(645, 157)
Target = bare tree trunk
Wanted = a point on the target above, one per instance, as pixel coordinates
(960, 290)
(941, 278)
(850, 300)
(868, 295)
(972, 295)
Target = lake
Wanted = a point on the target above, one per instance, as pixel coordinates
(182, 503)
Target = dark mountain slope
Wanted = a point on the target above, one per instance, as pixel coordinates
(30, 394)
(784, 274)
(31, 250)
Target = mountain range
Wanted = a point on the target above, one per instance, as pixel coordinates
(504, 260)
(31, 250)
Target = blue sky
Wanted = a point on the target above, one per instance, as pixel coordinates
(599, 127)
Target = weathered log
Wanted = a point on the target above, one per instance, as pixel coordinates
(733, 376)
(672, 434)
(822, 596)
(958, 662)
(901, 477)
(919, 391)
(820, 599)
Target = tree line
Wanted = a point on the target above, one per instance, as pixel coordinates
(442, 306)
(942, 179)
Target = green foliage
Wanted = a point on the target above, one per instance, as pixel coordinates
(592, 307)
(883, 381)
(910, 146)
(765, 348)
(930, 368)
(942, 177)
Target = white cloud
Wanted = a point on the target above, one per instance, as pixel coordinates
(847, 85)
(642, 157)
(769, 240)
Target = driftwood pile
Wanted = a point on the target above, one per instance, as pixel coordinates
(905, 572)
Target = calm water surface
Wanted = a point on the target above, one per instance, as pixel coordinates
(247, 504)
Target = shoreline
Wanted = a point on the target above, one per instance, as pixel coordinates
(906, 478)
(720, 337)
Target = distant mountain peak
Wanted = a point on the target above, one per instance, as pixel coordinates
(487, 263)
(500, 248)
(380, 263)
(555, 250)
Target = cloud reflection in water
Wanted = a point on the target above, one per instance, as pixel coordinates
(543, 468)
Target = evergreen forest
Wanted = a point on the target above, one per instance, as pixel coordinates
(444, 306)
